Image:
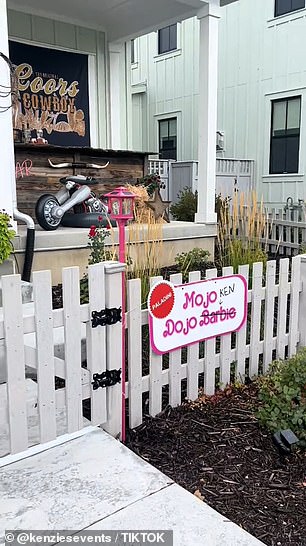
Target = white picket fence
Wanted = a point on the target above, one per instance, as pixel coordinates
(271, 331)
(286, 231)
(38, 343)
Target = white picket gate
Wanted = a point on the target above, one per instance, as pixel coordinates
(271, 331)
(39, 344)
(286, 232)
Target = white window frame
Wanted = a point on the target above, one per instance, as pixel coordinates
(174, 52)
(168, 115)
(288, 13)
(279, 19)
(135, 64)
(269, 98)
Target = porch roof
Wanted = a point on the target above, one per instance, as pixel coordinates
(120, 19)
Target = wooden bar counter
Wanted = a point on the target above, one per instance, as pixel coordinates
(124, 167)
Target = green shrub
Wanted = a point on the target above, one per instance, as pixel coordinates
(194, 260)
(6, 236)
(238, 253)
(96, 243)
(186, 207)
(282, 393)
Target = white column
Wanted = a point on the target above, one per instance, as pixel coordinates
(7, 158)
(117, 88)
(208, 88)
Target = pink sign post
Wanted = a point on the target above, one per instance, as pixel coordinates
(189, 313)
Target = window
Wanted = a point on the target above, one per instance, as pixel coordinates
(286, 6)
(132, 51)
(167, 39)
(167, 139)
(285, 136)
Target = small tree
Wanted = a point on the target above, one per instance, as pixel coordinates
(186, 207)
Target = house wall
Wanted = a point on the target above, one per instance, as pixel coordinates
(46, 32)
(163, 86)
(261, 58)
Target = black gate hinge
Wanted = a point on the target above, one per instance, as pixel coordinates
(106, 317)
(106, 379)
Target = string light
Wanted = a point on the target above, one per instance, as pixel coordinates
(9, 90)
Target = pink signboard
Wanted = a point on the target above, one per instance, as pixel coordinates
(188, 313)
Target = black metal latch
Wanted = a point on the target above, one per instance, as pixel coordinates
(106, 317)
(106, 379)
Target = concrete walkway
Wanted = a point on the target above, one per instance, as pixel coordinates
(95, 483)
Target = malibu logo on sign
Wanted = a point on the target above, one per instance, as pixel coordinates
(188, 313)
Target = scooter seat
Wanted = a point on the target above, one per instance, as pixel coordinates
(79, 179)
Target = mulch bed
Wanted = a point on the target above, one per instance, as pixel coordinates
(216, 449)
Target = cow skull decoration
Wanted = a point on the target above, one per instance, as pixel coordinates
(77, 165)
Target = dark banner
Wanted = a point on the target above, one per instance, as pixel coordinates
(53, 94)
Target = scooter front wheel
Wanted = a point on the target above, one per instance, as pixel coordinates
(43, 212)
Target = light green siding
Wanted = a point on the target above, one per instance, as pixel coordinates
(171, 90)
(261, 58)
(47, 32)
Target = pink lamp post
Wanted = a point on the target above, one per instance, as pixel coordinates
(121, 209)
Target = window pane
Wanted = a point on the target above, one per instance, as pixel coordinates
(169, 143)
(167, 138)
(293, 115)
(167, 39)
(278, 156)
(168, 154)
(287, 6)
(172, 127)
(279, 117)
(292, 154)
(163, 40)
(173, 37)
(282, 6)
(132, 51)
(298, 4)
(163, 129)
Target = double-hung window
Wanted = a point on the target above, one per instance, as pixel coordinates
(285, 135)
(167, 138)
(167, 39)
